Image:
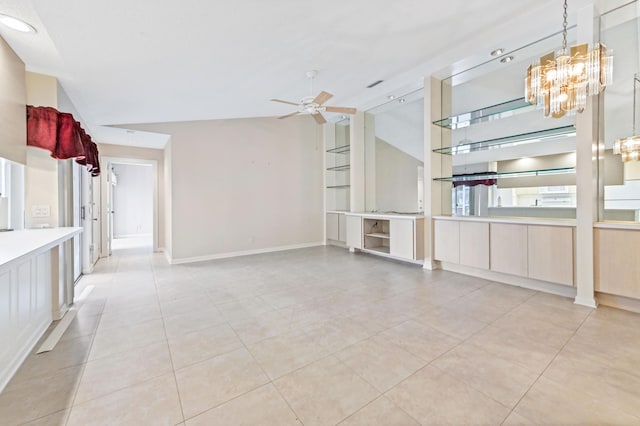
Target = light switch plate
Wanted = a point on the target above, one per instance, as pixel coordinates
(41, 211)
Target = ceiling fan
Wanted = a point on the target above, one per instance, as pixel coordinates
(315, 105)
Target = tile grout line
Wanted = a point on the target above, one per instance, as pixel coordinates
(547, 367)
(75, 393)
(164, 328)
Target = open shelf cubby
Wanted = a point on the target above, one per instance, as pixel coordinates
(376, 235)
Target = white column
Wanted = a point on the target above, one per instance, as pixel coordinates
(587, 159)
(357, 171)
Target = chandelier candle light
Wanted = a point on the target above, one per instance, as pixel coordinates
(629, 148)
(561, 83)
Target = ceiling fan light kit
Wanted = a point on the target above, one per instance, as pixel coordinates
(314, 106)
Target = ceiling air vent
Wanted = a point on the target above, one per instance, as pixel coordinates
(374, 84)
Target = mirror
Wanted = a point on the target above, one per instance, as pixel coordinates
(394, 153)
(620, 31)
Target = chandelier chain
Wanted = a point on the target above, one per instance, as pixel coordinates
(564, 27)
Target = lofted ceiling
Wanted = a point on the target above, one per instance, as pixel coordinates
(148, 61)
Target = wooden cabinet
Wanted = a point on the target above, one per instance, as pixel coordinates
(354, 231)
(474, 244)
(397, 236)
(447, 241)
(508, 248)
(401, 238)
(550, 254)
(333, 226)
(617, 267)
(336, 227)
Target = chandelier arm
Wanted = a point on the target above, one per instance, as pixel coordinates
(564, 28)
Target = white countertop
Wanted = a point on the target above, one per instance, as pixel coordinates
(515, 220)
(635, 226)
(17, 245)
(383, 215)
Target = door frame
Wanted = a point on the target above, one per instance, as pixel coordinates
(106, 194)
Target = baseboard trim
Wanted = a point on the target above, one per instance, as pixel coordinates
(178, 261)
(620, 302)
(544, 286)
(6, 374)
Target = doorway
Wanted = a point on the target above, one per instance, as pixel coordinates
(129, 205)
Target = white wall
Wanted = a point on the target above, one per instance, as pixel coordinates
(133, 200)
(243, 185)
(396, 179)
(13, 127)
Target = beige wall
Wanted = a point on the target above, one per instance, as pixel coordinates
(13, 128)
(396, 179)
(41, 173)
(243, 185)
(135, 153)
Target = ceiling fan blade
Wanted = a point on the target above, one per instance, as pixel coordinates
(322, 98)
(290, 115)
(284, 102)
(344, 110)
(319, 118)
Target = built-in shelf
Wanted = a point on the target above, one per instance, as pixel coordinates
(379, 249)
(493, 112)
(340, 149)
(339, 187)
(378, 235)
(502, 175)
(343, 168)
(508, 141)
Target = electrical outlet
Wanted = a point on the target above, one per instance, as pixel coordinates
(41, 211)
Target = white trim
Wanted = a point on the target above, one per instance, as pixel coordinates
(134, 236)
(7, 373)
(179, 261)
(631, 226)
(544, 286)
(108, 161)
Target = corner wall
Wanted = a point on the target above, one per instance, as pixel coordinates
(243, 186)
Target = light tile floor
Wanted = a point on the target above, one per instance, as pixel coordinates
(322, 337)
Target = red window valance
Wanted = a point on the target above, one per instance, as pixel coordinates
(60, 134)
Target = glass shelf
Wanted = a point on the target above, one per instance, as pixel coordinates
(339, 187)
(493, 112)
(508, 141)
(378, 235)
(339, 168)
(526, 173)
(340, 149)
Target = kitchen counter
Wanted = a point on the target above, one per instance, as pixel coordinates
(15, 246)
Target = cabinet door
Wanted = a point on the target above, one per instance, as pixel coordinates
(342, 228)
(617, 266)
(508, 252)
(333, 226)
(354, 232)
(401, 238)
(446, 236)
(474, 244)
(550, 253)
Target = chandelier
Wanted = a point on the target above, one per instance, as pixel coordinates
(629, 148)
(561, 83)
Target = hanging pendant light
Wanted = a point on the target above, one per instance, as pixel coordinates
(560, 84)
(629, 148)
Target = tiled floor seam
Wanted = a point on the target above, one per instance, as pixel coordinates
(545, 369)
(266, 375)
(164, 328)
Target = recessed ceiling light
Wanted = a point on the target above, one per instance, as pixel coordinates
(402, 100)
(497, 52)
(391, 97)
(506, 59)
(16, 24)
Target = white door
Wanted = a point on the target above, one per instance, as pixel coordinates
(94, 214)
(76, 171)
